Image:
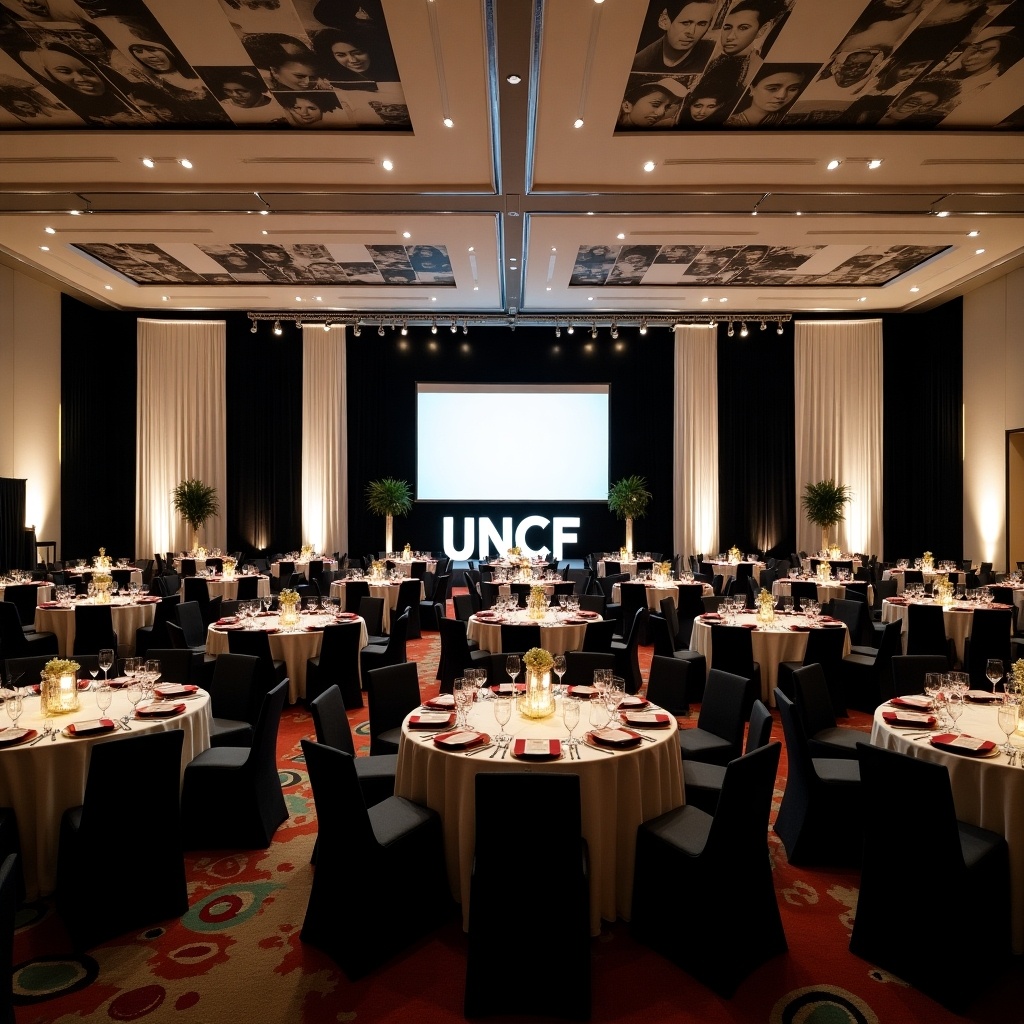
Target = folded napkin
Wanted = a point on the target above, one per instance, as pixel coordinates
(963, 744)
(983, 697)
(583, 692)
(158, 710)
(49, 604)
(612, 737)
(536, 750)
(710, 615)
(826, 618)
(486, 615)
(227, 627)
(12, 737)
(913, 701)
(648, 719)
(908, 719)
(461, 739)
(796, 627)
(442, 702)
(228, 620)
(897, 600)
(347, 615)
(167, 691)
(263, 615)
(589, 615)
(271, 629)
(575, 622)
(430, 720)
(748, 625)
(507, 689)
(89, 728)
(632, 703)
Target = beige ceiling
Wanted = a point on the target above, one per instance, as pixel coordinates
(512, 191)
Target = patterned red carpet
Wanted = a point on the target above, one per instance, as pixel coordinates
(236, 955)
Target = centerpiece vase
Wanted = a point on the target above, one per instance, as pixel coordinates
(58, 694)
(539, 700)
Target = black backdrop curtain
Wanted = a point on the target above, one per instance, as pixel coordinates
(12, 525)
(756, 453)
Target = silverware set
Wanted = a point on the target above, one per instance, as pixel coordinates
(502, 747)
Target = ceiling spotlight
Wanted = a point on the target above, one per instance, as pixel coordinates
(621, 236)
(743, 329)
(593, 331)
(764, 326)
(448, 122)
(942, 213)
(455, 327)
(327, 325)
(50, 231)
(387, 165)
(433, 327)
(649, 166)
(380, 331)
(277, 328)
(252, 330)
(615, 330)
(778, 330)
(578, 123)
(643, 326)
(44, 248)
(712, 324)
(873, 165)
(915, 289)
(148, 162)
(978, 252)
(186, 163)
(513, 79)
(465, 327)
(731, 331)
(264, 213)
(405, 328)
(833, 164)
(973, 234)
(558, 331)
(357, 330)
(569, 329)
(75, 213)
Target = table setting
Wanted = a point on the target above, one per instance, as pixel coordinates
(562, 628)
(127, 613)
(957, 614)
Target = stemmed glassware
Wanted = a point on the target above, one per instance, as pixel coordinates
(104, 698)
(559, 669)
(994, 671)
(955, 708)
(1007, 718)
(614, 696)
(512, 667)
(15, 704)
(105, 660)
(502, 715)
(571, 718)
(463, 692)
(134, 694)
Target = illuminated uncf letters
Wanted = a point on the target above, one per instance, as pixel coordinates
(502, 540)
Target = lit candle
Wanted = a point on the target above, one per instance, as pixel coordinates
(67, 691)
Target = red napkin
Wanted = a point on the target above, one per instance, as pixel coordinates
(12, 737)
(347, 615)
(797, 628)
(583, 692)
(963, 744)
(158, 710)
(897, 600)
(536, 750)
(589, 615)
(442, 702)
(431, 720)
(749, 625)
(575, 622)
(263, 615)
(271, 629)
(170, 690)
(711, 615)
(983, 697)
(631, 703)
(461, 739)
(912, 702)
(506, 689)
(50, 604)
(89, 728)
(228, 620)
(908, 719)
(612, 737)
(649, 719)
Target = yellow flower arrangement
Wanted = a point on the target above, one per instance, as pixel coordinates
(57, 667)
(287, 598)
(230, 564)
(735, 555)
(928, 561)
(307, 552)
(536, 659)
(515, 552)
(102, 560)
(666, 568)
(1017, 670)
(824, 571)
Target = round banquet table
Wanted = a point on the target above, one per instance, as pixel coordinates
(387, 589)
(771, 645)
(927, 575)
(555, 636)
(227, 587)
(126, 616)
(303, 567)
(404, 568)
(618, 792)
(987, 792)
(293, 646)
(729, 568)
(657, 592)
(826, 591)
(629, 567)
(136, 576)
(45, 593)
(41, 781)
(957, 620)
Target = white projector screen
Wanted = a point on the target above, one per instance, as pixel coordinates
(512, 442)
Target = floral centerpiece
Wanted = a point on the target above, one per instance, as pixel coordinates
(539, 700)
(102, 582)
(624, 554)
(537, 602)
(199, 552)
(928, 561)
(407, 553)
(514, 553)
(58, 688)
(765, 607)
(824, 571)
(230, 564)
(378, 569)
(942, 591)
(735, 555)
(1016, 677)
(307, 552)
(102, 560)
(288, 606)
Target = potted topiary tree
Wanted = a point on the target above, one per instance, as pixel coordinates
(195, 502)
(389, 498)
(628, 498)
(823, 504)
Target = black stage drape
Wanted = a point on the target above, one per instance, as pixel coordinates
(756, 457)
(12, 525)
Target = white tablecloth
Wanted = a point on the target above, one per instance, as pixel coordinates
(770, 646)
(388, 591)
(43, 780)
(293, 647)
(986, 791)
(618, 792)
(404, 568)
(227, 589)
(657, 592)
(928, 576)
(826, 591)
(126, 617)
(303, 567)
(957, 621)
(45, 593)
(729, 568)
(556, 637)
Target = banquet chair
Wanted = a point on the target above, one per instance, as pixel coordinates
(236, 697)
(392, 692)
(627, 651)
(140, 827)
(819, 820)
(24, 596)
(564, 588)
(612, 609)
(754, 590)
(155, 635)
(926, 630)
(813, 700)
(732, 650)
(456, 654)
(580, 667)
(190, 618)
(690, 605)
(434, 606)
(519, 636)
(376, 774)
(712, 872)
(864, 636)
(703, 780)
(594, 603)
(16, 643)
(912, 576)
(489, 593)
(867, 678)
(824, 648)
(122, 577)
(202, 663)
(215, 563)
(166, 585)
(942, 854)
(409, 601)
(883, 589)
(632, 597)
(196, 589)
(909, 670)
(475, 600)
(175, 665)
(371, 611)
(355, 591)
(718, 737)
(598, 635)
(256, 642)
(187, 566)
(247, 588)
(380, 845)
(94, 629)
(660, 634)
(462, 606)
(393, 652)
(611, 568)
(580, 579)
(718, 583)
(668, 685)
(231, 796)
(337, 664)
(802, 590)
(528, 817)
(285, 569)
(991, 629)
(314, 569)
(161, 565)
(10, 897)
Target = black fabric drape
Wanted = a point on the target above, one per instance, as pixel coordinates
(264, 438)
(923, 434)
(12, 525)
(756, 447)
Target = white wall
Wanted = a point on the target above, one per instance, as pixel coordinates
(30, 396)
(994, 403)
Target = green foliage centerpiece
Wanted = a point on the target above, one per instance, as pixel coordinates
(388, 497)
(628, 499)
(195, 502)
(824, 505)
(539, 699)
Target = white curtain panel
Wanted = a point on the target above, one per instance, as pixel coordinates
(324, 440)
(695, 452)
(838, 382)
(180, 429)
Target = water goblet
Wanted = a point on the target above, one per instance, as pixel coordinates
(559, 669)
(512, 667)
(134, 693)
(152, 673)
(15, 704)
(955, 708)
(994, 671)
(104, 698)
(502, 715)
(462, 690)
(570, 718)
(1007, 718)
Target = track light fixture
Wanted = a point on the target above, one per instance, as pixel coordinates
(465, 327)
(433, 327)
(615, 330)
(252, 330)
(380, 331)
(764, 326)
(643, 326)
(405, 328)
(593, 331)
(277, 328)
(327, 325)
(778, 329)
(731, 331)
(357, 330)
(570, 329)
(743, 329)
(558, 331)
(455, 327)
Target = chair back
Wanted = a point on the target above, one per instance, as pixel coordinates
(519, 636)
(256, 643)
(671, 616)
(190, 618)
(285, 569)
(633, 597)
(594, 603)
(802, 590)
(991, 629)
(667, 684)
(608, 581)
(723, 712)
(627, 658)
(580, 666)
(740, 823)
(262, 759)
(409, 602)
(732, 650)
(858, 621)
(580, 579)
(355, 591)
(392, 691)
(175, 665)
(462, 605)
(691, 604)
(825, 648)
(187, 566)
(455, 653)
(344, 832)
(12, 636)
(926, 629)
(659, 633)
(233, 691)
(338, 663)
(94, 628)
(811, 697)
(371, 611)
(759, 727)
(24, 596)
(247, 588)
(909, 670)
(331, 722)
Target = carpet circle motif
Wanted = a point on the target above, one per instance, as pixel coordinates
(228, 907)
(821, 1004)
(289, 778)
(48, 976)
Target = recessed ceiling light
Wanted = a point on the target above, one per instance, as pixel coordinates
(433, 298)
(472, 248)
(578, 123)
(264, 213)
(973, 234)
(186, 163)
(723, 300)
(318, 298)
(832, 164)
(590, 298)
(649, 166)
(45, 248)
(873, 165)
(553, 249)
(448, 123)
(476, 287)
(590, 213)
(620, 236)
(387, 165)
(148, 162)
(753, 213)
(915, 289)
(548, 288)
(264, 232)
(513, 79)
(863, 298)
(165, 298)
(407, 234)
(109, 287)
(942, 213)
(705, 299)
(50, 231)
(978, 252)
(75, 213)
(298, 298)
(799, 213)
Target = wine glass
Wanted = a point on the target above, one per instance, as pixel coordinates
(93, 672)
(105, 660)
(134, 694)
(461, 691)
(559, 669)
(571, 718)
(15, 704)
(614, 695)
(104, 698)
(955, 708)
(512, 667)
(1007, 717)
(502, 715)
(152, 675)
(994, 671)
